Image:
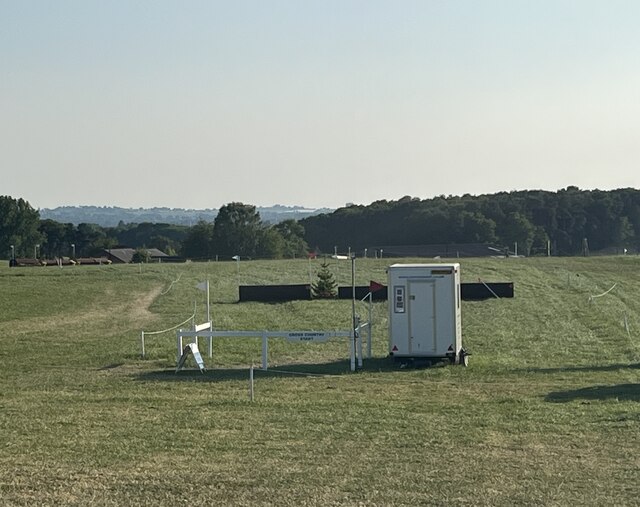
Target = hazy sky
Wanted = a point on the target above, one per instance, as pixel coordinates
(197, 104)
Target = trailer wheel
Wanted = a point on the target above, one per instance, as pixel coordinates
(464, 358)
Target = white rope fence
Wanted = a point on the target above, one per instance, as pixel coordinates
(151, 333)
(172, 284)
(591, 298)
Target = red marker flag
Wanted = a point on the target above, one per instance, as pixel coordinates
(375, 286)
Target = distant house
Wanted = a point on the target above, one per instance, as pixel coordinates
(125, 255)
(157, 255)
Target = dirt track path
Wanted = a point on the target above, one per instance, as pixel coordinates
(134, 309)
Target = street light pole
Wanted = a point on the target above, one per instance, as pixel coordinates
(73, 249)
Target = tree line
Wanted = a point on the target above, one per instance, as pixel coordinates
(110, 216)
(236, 230)
(562, 222)
(565, 221)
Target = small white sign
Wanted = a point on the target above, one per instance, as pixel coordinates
(307, 336)
(191, 348)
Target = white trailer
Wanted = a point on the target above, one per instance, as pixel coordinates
(424, 312)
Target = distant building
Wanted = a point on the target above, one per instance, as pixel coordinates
(125, 255)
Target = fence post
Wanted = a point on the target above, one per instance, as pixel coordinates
(369, 331)
(352, 350)
(359, 342)
(210, 337)
(251, 383)
(142, 342)
(265, 349)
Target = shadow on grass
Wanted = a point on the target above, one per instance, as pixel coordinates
(335, 368)
(588, 368)
(622, 392)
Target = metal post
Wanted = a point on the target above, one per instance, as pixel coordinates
(369, 331)
(179, 338)
(142, 342)
(265, 350)
(359, 342)
(208, 304)
(352, 355)
(353, 305)
(251, 383)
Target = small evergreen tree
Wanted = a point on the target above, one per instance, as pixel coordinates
(325, 286)
(141, 255)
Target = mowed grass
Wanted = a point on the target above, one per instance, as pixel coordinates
(547, 413)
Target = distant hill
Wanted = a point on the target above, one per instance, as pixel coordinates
(106, 216)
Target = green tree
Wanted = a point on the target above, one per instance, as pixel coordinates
(517, 229)
(91, 239)
(163, 243)
(325, 286)
(539, 242)
(270, 244)
(292, 233)
(18, 227)
(166, 237)
(474, 228)
(141, 255)
(530, 217)
(238, 230)
(57, 238)
(197, 243)
(623, 232)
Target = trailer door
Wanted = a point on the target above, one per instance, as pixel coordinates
(422, 317)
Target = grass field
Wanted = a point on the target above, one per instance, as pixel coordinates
(547, 413)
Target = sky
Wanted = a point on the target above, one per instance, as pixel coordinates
(196, 104)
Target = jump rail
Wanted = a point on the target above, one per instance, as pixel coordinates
(355, 342)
